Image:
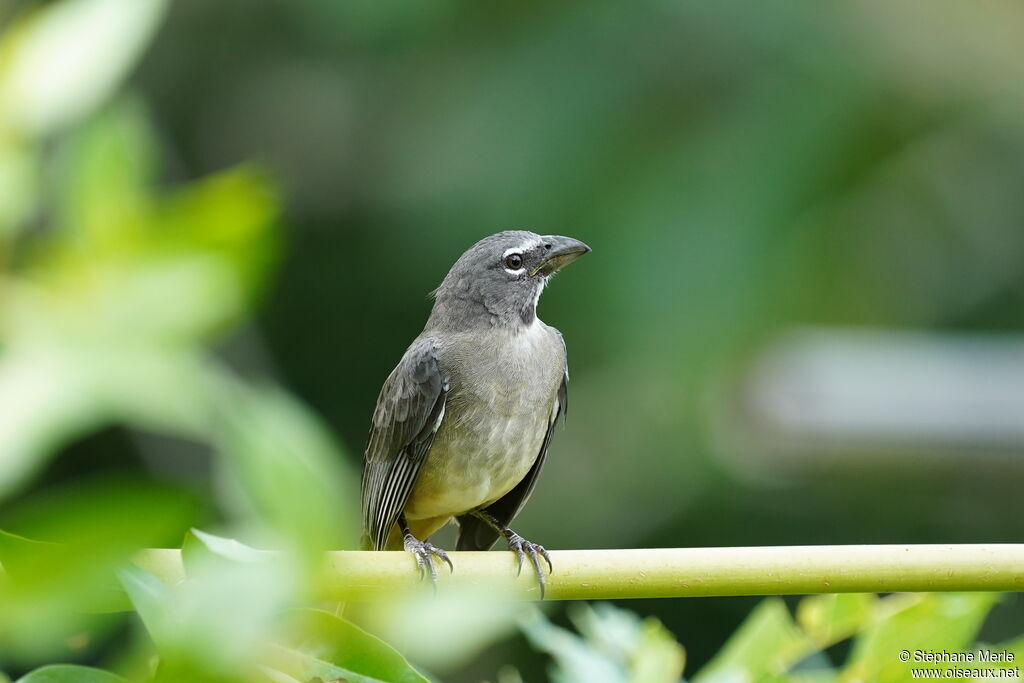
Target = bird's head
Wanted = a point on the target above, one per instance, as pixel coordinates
(499, 279)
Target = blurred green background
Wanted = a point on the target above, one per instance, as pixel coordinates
(801, 322)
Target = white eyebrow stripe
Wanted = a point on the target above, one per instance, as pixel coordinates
(524, 247)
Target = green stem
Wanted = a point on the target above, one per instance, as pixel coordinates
(676, 572)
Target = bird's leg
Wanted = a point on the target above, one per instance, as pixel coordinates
(423, 552)
(520, 546)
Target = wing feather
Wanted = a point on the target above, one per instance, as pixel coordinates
(409, 411)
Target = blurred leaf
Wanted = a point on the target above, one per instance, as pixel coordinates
(200, 546)
(284, 467)
(149, 596)
(818, 676)
(81, 535)
(657, 656)
(230, 215)
(70, 673)
(163, 270)
(649, 651)
(575, 659)
(317, 643)
(617, 646)
(278, 677)
(59, 62)
(51, 393)
(325, 646)
(928, 621)
(19, 184)
(765, 645)
(20, 556)
(214, 624)
(114, 515)
(43, 401)
(829, 618)
(108, 167)
(465, 621)
(116, 303)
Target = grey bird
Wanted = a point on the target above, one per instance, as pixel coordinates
(463, 424)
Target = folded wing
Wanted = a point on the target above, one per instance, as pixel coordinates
(409, 412)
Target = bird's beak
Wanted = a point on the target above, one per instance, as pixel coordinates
(559, 252)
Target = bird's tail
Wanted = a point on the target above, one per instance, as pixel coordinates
(475, 534)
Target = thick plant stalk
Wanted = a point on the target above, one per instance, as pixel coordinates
(674, 572)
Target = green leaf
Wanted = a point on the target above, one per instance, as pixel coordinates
(576, 658)
(66, 58)
(657, 656)
(20, 184)
(81, 534)
(44, 399)
(229, 215)
(149, 596)
(322, 645)
(930, 621)
(69, 673)
(464, 621)
(129, 269)
(108, 166)
(273, 676)
(200, 546)
(766, 644)
(824, 675)
(286, 468)
(218, 619)
(21, 556)
(829, 618)
(644, 650)
(56, 583)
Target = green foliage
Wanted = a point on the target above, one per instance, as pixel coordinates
(116, 292)
(770, 646)
(108, 317)
(57, 65)
(53, 585)
(616, 646)
(62, 61)
(224, 622)
(70, 673)
(322, 645)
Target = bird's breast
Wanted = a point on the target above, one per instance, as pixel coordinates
(502, 399)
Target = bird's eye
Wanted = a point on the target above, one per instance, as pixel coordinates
(514, 261)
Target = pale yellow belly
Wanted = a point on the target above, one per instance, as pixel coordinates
(496, 418)
(474, 463)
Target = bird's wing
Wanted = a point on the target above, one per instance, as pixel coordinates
(408, 413)
(476, 535)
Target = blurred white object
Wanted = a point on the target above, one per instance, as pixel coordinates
(69, 57)
(890, 390)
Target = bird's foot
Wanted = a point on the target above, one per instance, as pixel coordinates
(424, 553)
(523, 548)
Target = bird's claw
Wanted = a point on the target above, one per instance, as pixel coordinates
(535, 551)
(424, 553)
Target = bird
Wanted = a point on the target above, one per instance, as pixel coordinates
(463, 424)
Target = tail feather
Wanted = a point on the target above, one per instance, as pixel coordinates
(474, 534)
